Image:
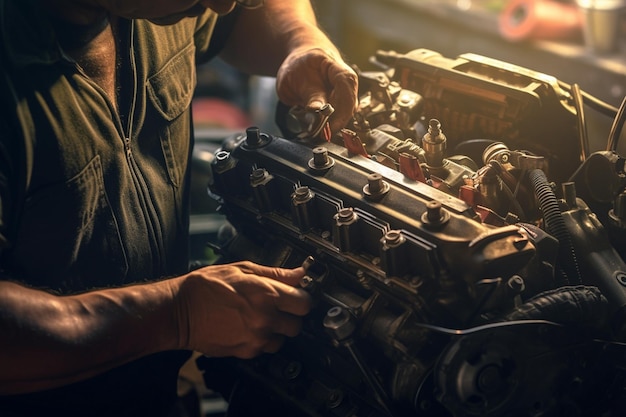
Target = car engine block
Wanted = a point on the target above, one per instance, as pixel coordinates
(464, 249)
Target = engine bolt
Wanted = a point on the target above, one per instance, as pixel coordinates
(375, 182)
(339, 323)
(321, 160)
(292, 370)
(222, 157)
(253, 136)
(435, 214)
(376, 186)
(346, 215)
(489, 380)
(306, 282)
(223, 161)
(433, 211)
(258, 176)
(320, 156)
(393, 237)
(302, 194)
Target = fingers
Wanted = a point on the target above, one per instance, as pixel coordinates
(316, 77)
(292, 300)
(340, 89)
(288, 276)
(343, 96)
(248, 351)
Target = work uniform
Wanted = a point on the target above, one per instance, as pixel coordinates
(90, 196)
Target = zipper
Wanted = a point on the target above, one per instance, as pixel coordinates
(126, 133)
(151, 217)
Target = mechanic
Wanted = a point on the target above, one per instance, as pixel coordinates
(97, 307)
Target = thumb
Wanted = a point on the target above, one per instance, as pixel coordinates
(316, 101)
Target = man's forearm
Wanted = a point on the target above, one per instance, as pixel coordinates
(262, 38)
(48, 341)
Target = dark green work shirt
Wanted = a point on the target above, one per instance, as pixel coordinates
(91, 197)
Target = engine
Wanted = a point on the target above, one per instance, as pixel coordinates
(463, 247)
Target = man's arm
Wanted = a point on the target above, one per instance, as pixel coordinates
(282, 39)
(224, 310)
(50, 340)
(262, 38)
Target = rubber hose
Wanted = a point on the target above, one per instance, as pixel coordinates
(567, 262)
(579, 305)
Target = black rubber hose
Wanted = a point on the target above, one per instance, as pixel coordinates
(579, 305)
(567, 263)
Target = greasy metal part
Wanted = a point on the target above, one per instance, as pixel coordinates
(434, 143)
(259, 181)
(340, 325)
(309, 123)
(302, 208)
(376, 187)
(345, 236)
(255, 138)
(440, 306)
(321, 161)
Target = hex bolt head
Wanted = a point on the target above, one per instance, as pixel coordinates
(339, 323)
(393, 237)
(253, 136)
(376, 186)
(375, 182)
(302, 194)
(433, 211)
(321, 160)
(435, 214)
(345, 215)
(320, 156)
(258, 176)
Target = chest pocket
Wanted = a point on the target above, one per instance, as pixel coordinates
(67, 229)
(170, 91)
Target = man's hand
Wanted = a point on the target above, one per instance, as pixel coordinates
(282, 39)
(312, 77)
(241, 309)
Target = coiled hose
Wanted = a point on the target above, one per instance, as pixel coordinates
(567, 263)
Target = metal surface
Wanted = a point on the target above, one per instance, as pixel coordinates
(463, 283)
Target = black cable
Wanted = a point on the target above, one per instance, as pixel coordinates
(554, 224)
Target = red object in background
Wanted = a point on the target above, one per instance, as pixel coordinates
(540, 19)
(215, 112)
